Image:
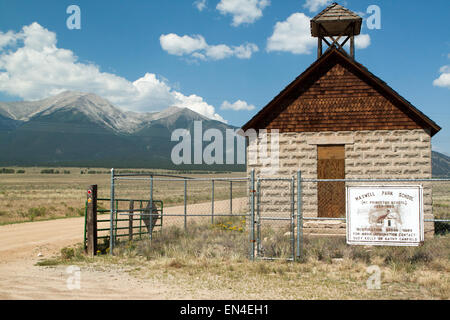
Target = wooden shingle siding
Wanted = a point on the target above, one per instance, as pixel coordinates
(338, 94)
(338, 100)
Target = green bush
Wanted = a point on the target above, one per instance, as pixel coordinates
(67, 253)
(36, 212)
(6, 170)
(441, 228)
(49, 171)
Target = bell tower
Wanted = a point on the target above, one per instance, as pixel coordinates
(335, 26)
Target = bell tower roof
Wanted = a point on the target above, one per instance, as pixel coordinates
(336, 23)
(335, 20)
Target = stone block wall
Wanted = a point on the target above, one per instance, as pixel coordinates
(380, 154)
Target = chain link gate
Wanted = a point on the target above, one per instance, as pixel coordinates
(275, 219)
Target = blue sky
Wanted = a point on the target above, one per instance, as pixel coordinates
(223, 58)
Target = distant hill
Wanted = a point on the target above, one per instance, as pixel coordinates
(440, 164)
(83, 129)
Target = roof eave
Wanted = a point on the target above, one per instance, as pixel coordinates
(434, 128)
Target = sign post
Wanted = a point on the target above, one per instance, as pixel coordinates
(385, 215)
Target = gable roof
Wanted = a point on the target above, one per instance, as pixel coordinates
(337, 56)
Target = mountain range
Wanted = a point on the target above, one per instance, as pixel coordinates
(83, 129)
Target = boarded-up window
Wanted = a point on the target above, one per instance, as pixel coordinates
(331, 195)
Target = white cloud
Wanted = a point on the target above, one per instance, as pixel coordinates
(6, 39)
(196, 104)
(292, 35)
(245, 51)
(219, 52)
(34, 68)
(243, 11)
(176, 45)
(362, 41)
(237, 106)
(315, 5)
(197, 48)
(444, 78)
(200, 5)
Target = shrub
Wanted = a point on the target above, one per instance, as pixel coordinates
(36, 212)
(6, 170)
(67, 253)
(441, 228)
(49, 171)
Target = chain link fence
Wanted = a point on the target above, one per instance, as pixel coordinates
(188, 201)
(280, 217)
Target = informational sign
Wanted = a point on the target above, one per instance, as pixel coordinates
(385, 215)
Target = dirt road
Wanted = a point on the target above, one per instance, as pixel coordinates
(24, 244)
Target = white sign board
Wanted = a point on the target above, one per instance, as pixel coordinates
(385, 215)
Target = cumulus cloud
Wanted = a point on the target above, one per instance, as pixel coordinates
(292, 35)
(200, 5)
(243, 11)
(237, 106)
(33, 67)
(362, 41)
(197, 48)
(176, 45)
(444, 78)
(315, 5)
(7, 38)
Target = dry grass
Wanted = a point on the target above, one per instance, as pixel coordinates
(33, 196)
(211, 262)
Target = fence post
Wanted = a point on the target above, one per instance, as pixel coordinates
(258, 218)
(150, 229)
(185, 204)
(299, 216)
(111, 218)
(252, 214)
(91, 220)
(231, 197)
(141, 207)
(130, 221)
(293, 217)
(212, 201)
(85, 226)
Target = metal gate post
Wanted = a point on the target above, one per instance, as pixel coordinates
(185, 205)
(111, 218)
(258, 218)
(299, 216)
(231, 197)
(212, 201)
(150, 229)
(293, 217)
(252, 215)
